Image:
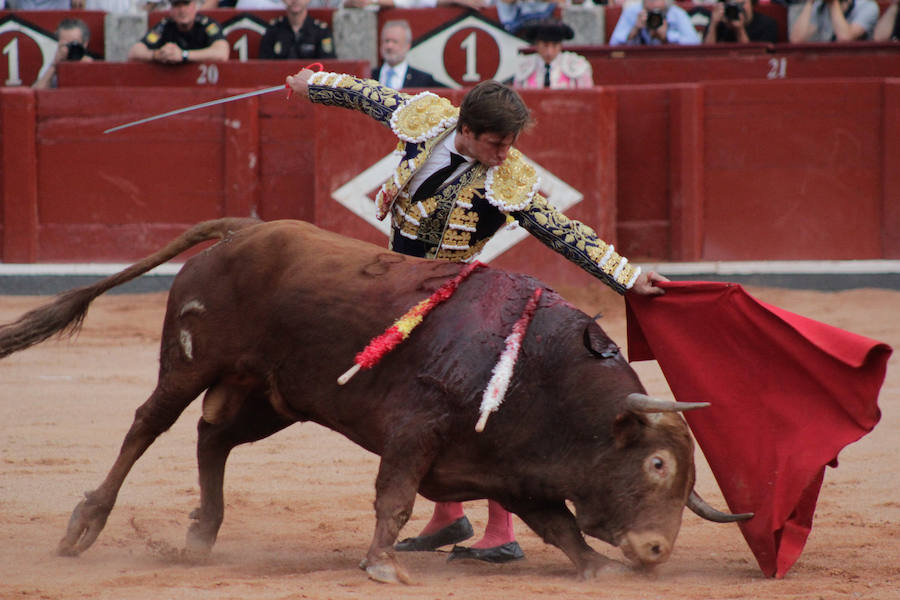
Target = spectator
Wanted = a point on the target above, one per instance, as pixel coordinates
(476, 4)
(182, 36)
(888, 27)
(296, 35)
(737, 21)
(395, 72)
(834, 21)
(550, 67)
(73, 36)
(38, 4)
(513, 14)
(654, 22)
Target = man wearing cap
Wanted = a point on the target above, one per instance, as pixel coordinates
(457, 182)
(550, 67)
(182, 36)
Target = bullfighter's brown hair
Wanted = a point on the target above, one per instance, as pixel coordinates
(493, 107)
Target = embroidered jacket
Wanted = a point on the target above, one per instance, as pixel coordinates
(459, 219)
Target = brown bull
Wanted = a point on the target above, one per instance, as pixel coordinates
(266, 320)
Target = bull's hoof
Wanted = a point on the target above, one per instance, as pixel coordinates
(600, 565)
(85, 524)
(200, 538)
(386, 570)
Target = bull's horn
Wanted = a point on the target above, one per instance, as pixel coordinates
(644, 403)
(699, 506)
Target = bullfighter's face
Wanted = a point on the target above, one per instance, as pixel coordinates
(488, 148)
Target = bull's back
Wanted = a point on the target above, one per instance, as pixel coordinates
(299, 300)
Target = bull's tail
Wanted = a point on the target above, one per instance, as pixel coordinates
(66, 312)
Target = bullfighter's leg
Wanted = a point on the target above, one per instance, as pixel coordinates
(448, 525)
(556, 525)
(396, 485)
(255, 420)
(498, 545)
(153, 417)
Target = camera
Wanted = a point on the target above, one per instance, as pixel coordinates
(655, 19)
(733, 10)
(76, 51)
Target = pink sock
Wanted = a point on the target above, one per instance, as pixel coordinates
(445, 513)
(499, 528)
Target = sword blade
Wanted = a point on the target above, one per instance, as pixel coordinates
(171, 113)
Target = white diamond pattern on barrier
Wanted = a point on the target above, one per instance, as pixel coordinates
(355, 196)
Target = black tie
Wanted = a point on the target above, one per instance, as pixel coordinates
(546, 75)
(434, 181)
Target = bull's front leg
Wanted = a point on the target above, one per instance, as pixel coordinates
(556, 525)
(396, 486)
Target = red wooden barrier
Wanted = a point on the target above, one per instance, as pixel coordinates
(254, 73)
(635, 65)
(759, 170)
(118, 196)
(735, 170)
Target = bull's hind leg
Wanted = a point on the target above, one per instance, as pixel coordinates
(151, 419)
(254, 421)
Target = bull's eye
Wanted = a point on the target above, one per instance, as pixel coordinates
(660, 466)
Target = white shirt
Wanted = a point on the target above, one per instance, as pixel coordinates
(438, 159)
(399, 77)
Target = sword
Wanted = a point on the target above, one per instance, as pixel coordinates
(171, 113)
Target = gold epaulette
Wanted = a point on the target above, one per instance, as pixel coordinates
(511, 185)
(422, 117)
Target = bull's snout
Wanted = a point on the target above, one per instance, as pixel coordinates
(647, 548)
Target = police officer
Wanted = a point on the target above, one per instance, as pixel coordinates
(182, 36)
(296, 35)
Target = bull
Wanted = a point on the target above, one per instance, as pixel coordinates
(262, 324)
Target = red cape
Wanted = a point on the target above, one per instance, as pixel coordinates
(787, 394)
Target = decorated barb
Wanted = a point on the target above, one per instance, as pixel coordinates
(402, 327)
(503, 370)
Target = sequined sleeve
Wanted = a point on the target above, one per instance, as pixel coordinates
(578, 243)
(364, 95)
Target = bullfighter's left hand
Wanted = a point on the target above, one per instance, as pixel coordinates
(645, 285)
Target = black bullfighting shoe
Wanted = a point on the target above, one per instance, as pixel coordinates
(458, 531)
(507, 552)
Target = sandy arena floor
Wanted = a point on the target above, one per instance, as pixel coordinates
(299, 504)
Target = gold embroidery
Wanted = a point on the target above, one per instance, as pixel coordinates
(422, 116)
(455, 237)
(466, 219)
(512, 184)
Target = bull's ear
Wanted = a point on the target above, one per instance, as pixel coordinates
(628, 428)
(597, 342)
